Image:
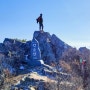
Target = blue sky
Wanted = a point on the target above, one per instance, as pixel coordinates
(67, 19)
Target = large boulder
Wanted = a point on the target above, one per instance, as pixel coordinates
(58, 46)
(45, 46)
(11, 44)
(50, 45)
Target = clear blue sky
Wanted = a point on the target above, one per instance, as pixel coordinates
(67, 19)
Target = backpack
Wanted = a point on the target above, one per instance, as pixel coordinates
(38, 19)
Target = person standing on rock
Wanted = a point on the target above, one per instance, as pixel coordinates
(40, 21)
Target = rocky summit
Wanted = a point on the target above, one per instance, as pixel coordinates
(51, 46)
(43, 63)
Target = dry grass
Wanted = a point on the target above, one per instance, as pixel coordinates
(66, 66)
(39, 77)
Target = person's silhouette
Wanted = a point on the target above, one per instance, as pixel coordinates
(40, 21)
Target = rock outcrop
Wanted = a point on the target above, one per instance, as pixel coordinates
(13, 54)
(50, 45)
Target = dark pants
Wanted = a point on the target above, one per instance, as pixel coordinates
(40, 26)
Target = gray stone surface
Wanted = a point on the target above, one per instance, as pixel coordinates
(50, 45)
(35, 54)
(35, 51)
